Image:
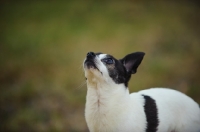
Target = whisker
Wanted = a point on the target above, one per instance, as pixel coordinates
(80, 67)
(81, 85)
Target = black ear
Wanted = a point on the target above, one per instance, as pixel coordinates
(132, 61)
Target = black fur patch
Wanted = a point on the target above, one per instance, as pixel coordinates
(122, 69)
(151, 112)
(118, 72)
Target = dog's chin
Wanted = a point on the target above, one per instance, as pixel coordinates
(91, 70)
(89, 67)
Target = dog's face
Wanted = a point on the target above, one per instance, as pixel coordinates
(107, 69)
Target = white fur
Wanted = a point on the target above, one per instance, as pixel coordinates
(110, 107)
(186, 112)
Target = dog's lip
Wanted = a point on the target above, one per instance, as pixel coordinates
(89, 63)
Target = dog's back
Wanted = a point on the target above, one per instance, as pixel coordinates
(176, 111)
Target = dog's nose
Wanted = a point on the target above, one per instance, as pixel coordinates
(90, 55)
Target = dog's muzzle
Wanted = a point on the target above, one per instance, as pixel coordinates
(90, 60)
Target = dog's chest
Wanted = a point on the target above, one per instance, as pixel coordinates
(99, 120)
(101, 114)
(104, 119)
(110, 114)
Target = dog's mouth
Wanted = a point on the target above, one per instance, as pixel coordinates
(89, 63)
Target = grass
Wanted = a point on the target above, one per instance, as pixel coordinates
(43, 45)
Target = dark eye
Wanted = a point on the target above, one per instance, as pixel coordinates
(108, 60)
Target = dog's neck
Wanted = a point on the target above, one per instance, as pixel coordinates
(104, 103)
(105, 93)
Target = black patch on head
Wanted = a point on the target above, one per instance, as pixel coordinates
(151, 112)
(117, 71)
(120, 71)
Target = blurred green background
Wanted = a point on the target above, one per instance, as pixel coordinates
(43, 45)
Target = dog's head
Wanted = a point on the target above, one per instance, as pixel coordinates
(105, 68)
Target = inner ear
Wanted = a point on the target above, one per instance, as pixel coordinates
(132, 61)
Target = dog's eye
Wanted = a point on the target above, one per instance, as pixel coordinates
(108, 60)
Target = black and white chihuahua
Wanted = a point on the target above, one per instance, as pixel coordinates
(111, 108)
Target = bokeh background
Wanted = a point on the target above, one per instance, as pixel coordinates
(43, 45)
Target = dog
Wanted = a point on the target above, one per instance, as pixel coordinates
(111, 108)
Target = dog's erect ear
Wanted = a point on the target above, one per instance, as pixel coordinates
(132, 61)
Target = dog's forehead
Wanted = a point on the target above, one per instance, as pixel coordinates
(101, 56)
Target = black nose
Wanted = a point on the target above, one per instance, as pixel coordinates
(90, 54)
